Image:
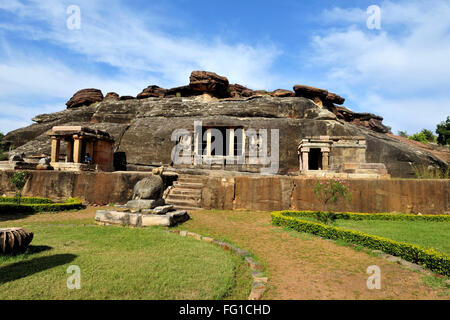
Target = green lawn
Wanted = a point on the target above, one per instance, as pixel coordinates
(434, 235)
(120, 263)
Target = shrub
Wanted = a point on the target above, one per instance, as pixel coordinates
(424, 136)
(330, 192)
(70, 204)
(429, 258)
(427, 172)
(19, 180)
(26, 200)
(443, 132)
(370, 216)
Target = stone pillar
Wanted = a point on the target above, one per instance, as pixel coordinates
(305, 158)
(231, 143)
(69, 151)
(208, 142)
(325, 160)
(77, 141)
(56, 144)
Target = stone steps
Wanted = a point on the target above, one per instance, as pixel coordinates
(186, 193)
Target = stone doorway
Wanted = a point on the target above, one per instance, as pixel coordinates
(315, 159)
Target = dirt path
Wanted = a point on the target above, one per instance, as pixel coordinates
(306, 267)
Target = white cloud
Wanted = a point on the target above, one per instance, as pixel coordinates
(131, 42)
(400, 72)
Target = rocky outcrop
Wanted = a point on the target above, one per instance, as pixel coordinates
(209, 82)
(316, 93)
(142, 128)
(281, 93)
(238, 91)
(84, 97)
(152, 91)
(368, 120)
(112, 96)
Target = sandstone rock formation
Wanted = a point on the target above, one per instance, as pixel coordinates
(84, 97)
(152, 91)
(316, 93)
(209, 82)
(280, 93)
(367, 120)
(142, 128)
(112, 96)
(238, 91)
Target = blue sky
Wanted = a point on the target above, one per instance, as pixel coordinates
(400, 71)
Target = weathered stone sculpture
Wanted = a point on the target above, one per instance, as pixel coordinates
(14, 240)
(147, 209)
(151, 187)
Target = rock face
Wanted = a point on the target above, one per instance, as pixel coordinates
(149, 188)
(209, 82)
(152, 91)
(84, 97)
(143, 127)
(112, 96)
(313, 93)
(367, 120)
(280, 93)
(238, 91)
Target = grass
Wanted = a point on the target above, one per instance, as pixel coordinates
(425, 234)
(117, 263)
(434, 235)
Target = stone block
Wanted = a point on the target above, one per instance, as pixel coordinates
(163, 209)
(145, 204)
(156, 220)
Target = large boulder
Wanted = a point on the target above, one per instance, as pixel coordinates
(112, 96)
(281, 93)
(238, 91)
(152, 91)
(84, 97)
(209, 82)
(317, 93)
(368, 120)
(151, 187)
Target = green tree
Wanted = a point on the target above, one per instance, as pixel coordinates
(424, 136)
(403, 134)
(3, 156)
(19, 180)
(331, 192)
(443, 131)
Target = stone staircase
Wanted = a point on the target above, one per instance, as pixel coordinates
(186, 193)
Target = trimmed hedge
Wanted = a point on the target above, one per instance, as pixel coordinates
(371, 216)
(26, 200)
(429, 258)
(71, 204)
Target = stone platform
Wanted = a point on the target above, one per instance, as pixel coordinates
(107, 217)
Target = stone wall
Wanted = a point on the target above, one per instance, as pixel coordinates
(265, 193)
(281, 193)
(92, 187)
